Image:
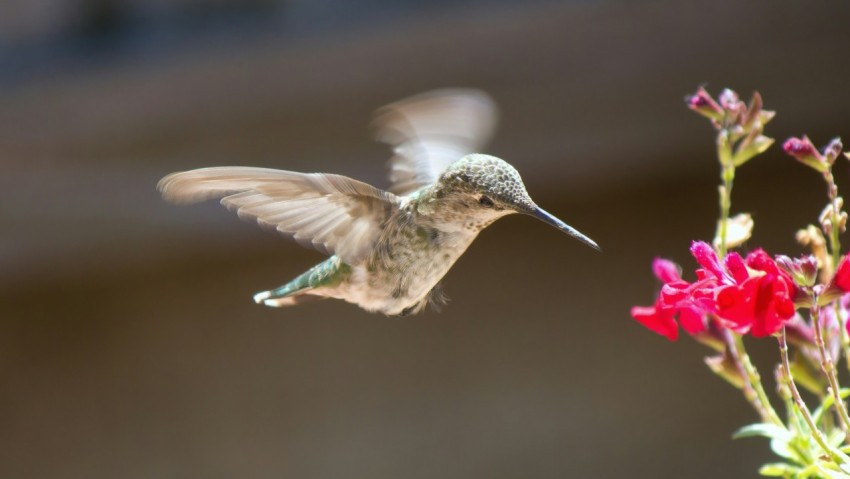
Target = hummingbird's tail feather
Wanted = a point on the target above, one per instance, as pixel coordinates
(307, 286)
(291, 299)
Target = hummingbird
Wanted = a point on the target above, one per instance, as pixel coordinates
(389, 249)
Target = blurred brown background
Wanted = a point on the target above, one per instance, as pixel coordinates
(129, 344)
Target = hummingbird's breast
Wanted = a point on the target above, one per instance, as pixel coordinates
(413, 254)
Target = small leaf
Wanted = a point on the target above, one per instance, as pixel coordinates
(782, 448)
(762, 429)
(831, 474)
(807, 376)
(810, 471)
(756, 147)
(739, 228)
(836, 438)
(778, 469)
(779, 439)
(827, 403)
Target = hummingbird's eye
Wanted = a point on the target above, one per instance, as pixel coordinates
(485, 202)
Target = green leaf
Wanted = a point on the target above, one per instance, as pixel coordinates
(755, 147)
(780, 439)
(783, 448)
(806, 375)
(778, 469)
(831, 474)
(836, 438)
(762, 429)
(827, 403)
(810, 471)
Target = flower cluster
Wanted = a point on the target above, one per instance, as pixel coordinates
(803, 302)
(749, 295)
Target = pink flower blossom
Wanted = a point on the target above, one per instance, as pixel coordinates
(841, 279)
(673, 303)
(748, 296)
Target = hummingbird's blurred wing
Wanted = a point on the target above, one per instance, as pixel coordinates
(430, 131)
(332, 213)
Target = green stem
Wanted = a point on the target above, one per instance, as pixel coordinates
(835, 230)
(843, 335)
(759, 397)
(727, 175)
(837, 456)
(835, 256)
(828, 368)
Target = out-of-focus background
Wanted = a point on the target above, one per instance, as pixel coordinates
(129, 344)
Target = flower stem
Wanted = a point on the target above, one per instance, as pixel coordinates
(835, 256)
(753, 389)
(835, 218)
(828, 367)
(837, 456)
(727, 175)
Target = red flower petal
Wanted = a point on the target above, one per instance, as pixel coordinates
(842, 275)
(692, 320)
(761, 261)
(735, 266)
(666, 270)
(760, 305)
(672, 293)
(707, 258)
(658, 320)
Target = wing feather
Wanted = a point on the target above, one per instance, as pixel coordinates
(430, 131)
(332, 213)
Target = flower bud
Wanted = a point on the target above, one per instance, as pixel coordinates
(750, 148)
(724, 366)
(805, 152)
(812, 238)
(803, 270)
(832, 150)
(702, 103)
(729, 100)
(825, 219)
(753, 112)
(808, 268)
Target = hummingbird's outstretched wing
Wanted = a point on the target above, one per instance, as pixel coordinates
(432, 130)
(332, 213)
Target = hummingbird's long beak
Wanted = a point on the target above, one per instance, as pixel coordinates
(547, 217)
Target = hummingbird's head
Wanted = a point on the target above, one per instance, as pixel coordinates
(492, 188)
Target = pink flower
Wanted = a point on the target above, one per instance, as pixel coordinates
(805, 152)
(841, 279)
(760, 303)
(752, 296)
(702, 103)
(673, 303)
